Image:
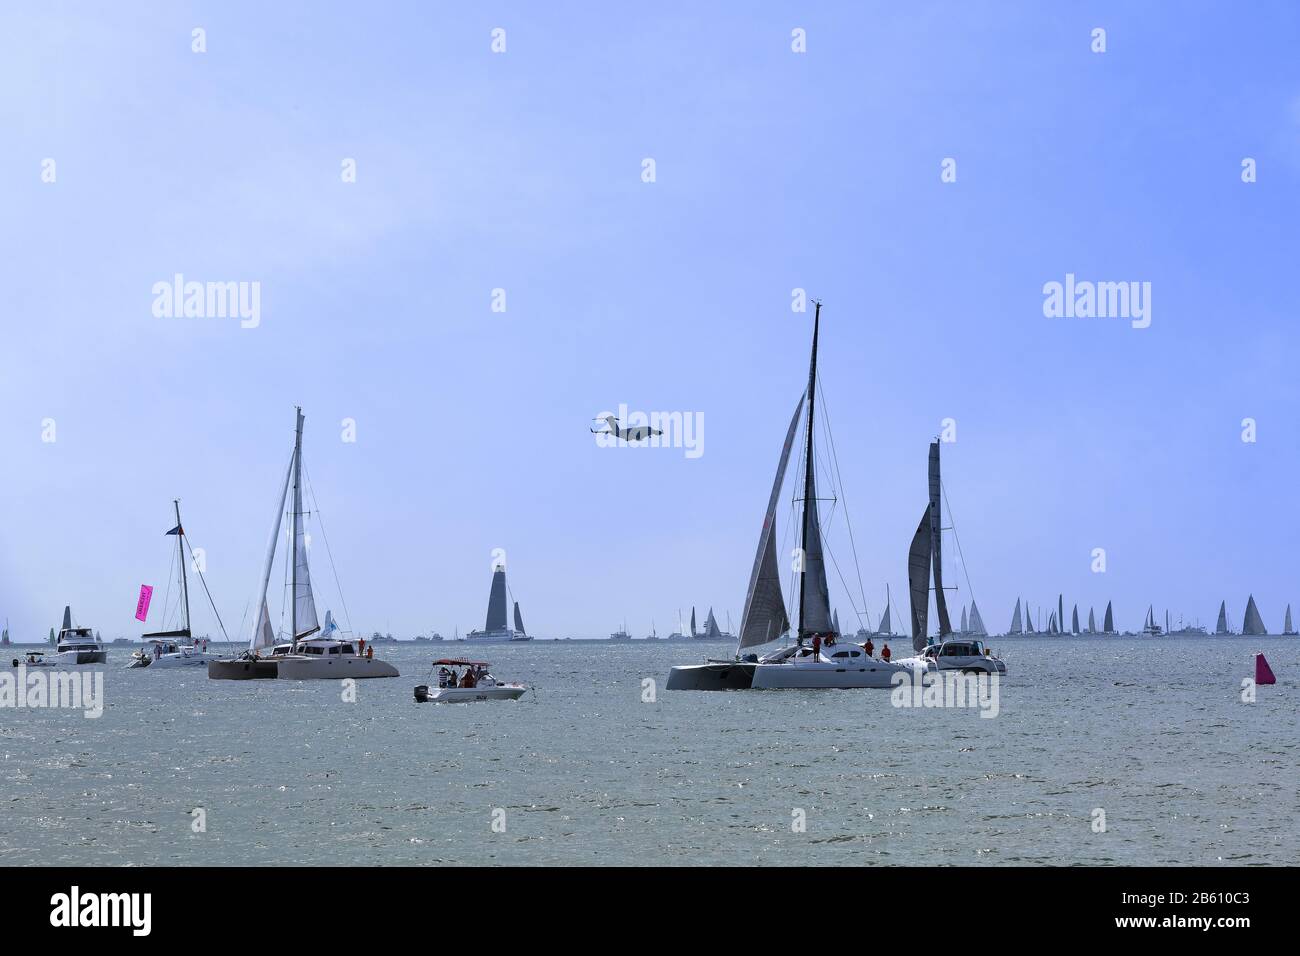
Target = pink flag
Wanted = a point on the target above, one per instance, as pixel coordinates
(142, 606)
(1263, 673)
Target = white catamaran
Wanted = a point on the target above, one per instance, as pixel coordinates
(302, 657)
(166, 650)
(816, 659)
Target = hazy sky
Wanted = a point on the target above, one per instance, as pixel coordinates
(523, 171)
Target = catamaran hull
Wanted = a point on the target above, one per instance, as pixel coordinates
(715, 675)
(819, 676)
(81, 657)
(171, 661)
(243, 670)
(340, 668)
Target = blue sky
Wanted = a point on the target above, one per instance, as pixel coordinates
(522, 171)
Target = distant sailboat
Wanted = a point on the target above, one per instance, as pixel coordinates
(4, 638)
(965, 629)
(1287, 629)
(1150, 628)
(886, 625)
(1060, 613)
(519, 623)
(1253, 624)
(1092, 621)
(496, 628)
(1074, 620)
(1016, 626)
(1222, 626)
(1108, 623)
(1029, 619)
(977, 628)
(694, 633)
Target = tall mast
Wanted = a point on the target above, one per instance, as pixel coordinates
(180, 548)
(808, 486)
(293, 526)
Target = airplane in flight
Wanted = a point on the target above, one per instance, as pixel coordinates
(634, 433)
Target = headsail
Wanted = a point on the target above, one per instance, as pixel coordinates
(263, 635)
(918, 580)
(1016, 626)
(1253, 623)
(764, 618)
(885, 624)
(711, 628)
(519, 620)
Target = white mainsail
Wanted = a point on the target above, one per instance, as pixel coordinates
(304, 605)
(885, 624)
(1016, 626)
(764, 618)
(1286, 625)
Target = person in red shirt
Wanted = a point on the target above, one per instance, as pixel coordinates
(817, 645)
(884, 654)
(869, 647)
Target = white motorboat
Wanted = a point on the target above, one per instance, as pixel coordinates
(475, 684)
(966, 656)
(78, 645)
(302, 657)
(166, 650)
(34, 659)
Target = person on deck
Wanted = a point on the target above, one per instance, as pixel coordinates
(817, 645)
(370, 653)
(884, 653)
(869, 647)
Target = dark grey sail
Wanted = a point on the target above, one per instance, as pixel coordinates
(1222, 626)
(1253, 623)
(976, 624)
(918, 581)
(496, 613)
(936, 541)
(1060, 612)
(1287, 629)
(1016, 626)
(1029, 619)
(764, 618)
(519, 620)
(1092, 621)
(814, 596)
(885, 624)
(1108, 623)
(1074, 620)
(67, 617)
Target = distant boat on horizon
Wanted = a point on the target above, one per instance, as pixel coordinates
(496, 629)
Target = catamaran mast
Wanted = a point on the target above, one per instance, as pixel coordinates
(180, 548)
(293, 525)
(808, 484)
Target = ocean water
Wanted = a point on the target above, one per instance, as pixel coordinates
(1152, 732)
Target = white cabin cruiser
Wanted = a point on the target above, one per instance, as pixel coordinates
(78, 645)
(968, 657)
(163, 654)
(475, 684)
(302, 656)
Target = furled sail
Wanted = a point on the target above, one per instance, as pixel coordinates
(1253, 623)
(519, 620)
(765, 618)
(496, 612)
(976, 622)
(936, 540)
(1222, 626)
(1016, 626)
(304, 605)
(918, 581)
(1108, 624)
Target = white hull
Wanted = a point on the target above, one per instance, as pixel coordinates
(332, 668)
(831, 675)
(463, 695)
(82, 656)
(173, 661)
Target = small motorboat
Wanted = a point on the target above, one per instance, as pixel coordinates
(166, 654)
(967, 656)
(475, 684)
(34, 659)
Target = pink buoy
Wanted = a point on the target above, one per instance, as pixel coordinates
(1263, 673)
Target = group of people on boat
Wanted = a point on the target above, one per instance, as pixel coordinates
(447, 676)
(868, 647)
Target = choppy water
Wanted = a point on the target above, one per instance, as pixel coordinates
(1152, 732)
